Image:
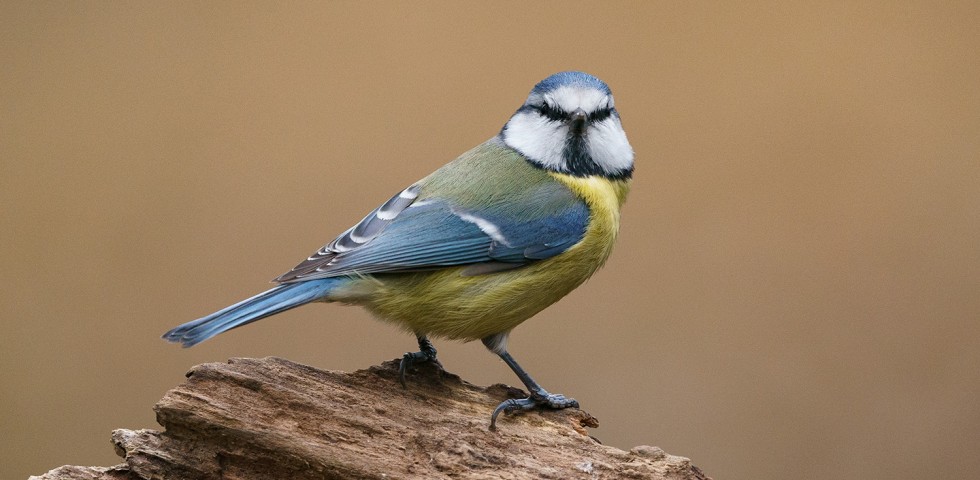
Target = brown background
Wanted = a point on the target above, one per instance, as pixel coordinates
(794, 294)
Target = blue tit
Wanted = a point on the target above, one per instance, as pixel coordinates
(484, 242)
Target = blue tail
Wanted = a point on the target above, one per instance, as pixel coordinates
(270, 302)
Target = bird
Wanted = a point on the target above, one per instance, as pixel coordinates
(480, 245)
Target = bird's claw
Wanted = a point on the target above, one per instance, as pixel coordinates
(548, 400)
(410, 359)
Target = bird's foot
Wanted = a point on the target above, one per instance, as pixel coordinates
(426, 353)
(545, 400)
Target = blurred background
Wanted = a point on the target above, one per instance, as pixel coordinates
(794, 293)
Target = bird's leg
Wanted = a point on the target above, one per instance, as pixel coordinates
(426, 353)
(539, 396)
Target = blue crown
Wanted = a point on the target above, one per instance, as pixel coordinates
(570, 79)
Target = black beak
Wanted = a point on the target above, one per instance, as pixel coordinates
(579, 120)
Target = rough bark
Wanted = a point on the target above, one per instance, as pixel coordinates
(272, 418)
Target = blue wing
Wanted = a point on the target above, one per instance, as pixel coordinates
(409, 235)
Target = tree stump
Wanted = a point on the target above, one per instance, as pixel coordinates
(274, 419)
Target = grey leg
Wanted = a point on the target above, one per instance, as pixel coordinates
(426, 353)
(539, 397)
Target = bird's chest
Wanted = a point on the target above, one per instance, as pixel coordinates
(545, 282)
(605, 198)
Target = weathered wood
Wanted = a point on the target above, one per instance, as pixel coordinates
(272, 418)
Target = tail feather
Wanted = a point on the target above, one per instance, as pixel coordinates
(270, 302)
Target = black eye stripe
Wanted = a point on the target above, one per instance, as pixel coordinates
(555, 114)
(550, 112)
(600, 115)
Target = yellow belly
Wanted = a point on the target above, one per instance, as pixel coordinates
(443, 303)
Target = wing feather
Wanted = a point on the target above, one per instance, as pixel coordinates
(399, 236)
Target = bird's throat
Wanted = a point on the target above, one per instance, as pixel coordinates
(577, 160)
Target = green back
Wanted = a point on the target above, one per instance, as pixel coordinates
(494, 177)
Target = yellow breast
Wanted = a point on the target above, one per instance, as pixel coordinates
(605, 198)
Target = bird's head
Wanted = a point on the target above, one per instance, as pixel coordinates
(569, 124)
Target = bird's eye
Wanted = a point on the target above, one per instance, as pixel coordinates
(600, 115)
(551, 112)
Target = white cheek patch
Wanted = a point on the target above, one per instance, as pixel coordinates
(537, 138)
(609, 147)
